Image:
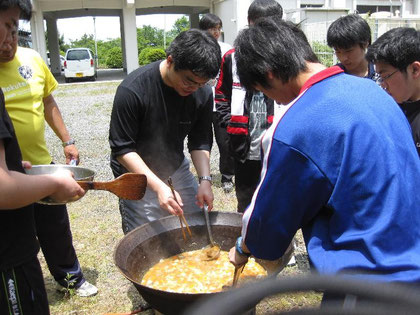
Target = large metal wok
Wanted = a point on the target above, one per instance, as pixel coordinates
(143, 247)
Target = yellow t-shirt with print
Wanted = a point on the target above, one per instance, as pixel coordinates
(26, 81)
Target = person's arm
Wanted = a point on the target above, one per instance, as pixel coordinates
(291, 193)
(223, 91)
(18, 190)
(126, 116)
(201, 161)
(200, 139)
(135, 164)
(54, 119)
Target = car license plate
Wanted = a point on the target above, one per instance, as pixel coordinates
(79, 75)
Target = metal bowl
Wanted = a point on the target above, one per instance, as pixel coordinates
(79, 173)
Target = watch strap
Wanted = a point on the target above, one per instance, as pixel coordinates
(70, 142)
(209, 178)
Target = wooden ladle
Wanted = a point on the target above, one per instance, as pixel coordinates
(131, 186)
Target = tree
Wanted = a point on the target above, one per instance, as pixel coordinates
(114, 58)
(180, 25)
(87, 41)
(149, 54)
(149, 36)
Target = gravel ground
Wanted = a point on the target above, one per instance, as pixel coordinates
(95, 219)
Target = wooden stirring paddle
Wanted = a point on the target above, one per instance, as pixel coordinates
(131, 186)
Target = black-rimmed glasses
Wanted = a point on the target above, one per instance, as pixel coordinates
(380, 80)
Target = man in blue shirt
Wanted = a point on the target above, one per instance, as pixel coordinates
(338, 163)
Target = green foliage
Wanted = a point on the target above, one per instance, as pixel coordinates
(180, 25)
(62, 44)
(114, 58)
(104, 47)
(69, 290)
(148, 36)
(149, 54)
(324, 52)
(156, 54)
(87, 41)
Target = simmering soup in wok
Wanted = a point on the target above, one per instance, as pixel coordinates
(189, 273)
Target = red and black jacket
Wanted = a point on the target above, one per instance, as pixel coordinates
(232, 105)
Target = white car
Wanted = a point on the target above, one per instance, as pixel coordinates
(61, 61)
(79, 63)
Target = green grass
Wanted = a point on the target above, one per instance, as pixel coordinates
(96, 221)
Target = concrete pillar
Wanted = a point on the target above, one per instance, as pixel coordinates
(122, 43)
(53, 46)
(241, 8)
(194, 20)
(130, 35)
(37, 30)
(416, 7)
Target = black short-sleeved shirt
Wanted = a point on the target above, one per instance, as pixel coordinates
(371, 70)
(412, 111)
(18, 242)
(152, 119)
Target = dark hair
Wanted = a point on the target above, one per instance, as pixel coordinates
(25, 7)
(271, 45)
(197, 51)
(398, 47)
(209, 21)
(348, 31)
(264, 8)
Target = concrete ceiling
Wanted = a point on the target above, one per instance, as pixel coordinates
(69, 8)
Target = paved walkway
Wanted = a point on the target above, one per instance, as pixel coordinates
(103, 75)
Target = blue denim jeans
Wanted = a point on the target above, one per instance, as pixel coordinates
(138, 212)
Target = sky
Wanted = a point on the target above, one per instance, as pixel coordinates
(107, 27)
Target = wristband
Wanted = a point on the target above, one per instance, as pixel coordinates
(238, 247)
(70, 142)
(209, 178)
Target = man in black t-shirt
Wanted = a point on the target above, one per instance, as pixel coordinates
(22, 290)
(350, 36)
(155, 108)
(396, 55)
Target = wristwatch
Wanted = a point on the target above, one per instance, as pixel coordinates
(209, 178)
(238, 247)
(70, 142)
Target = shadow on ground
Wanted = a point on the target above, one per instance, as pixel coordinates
(103, 75)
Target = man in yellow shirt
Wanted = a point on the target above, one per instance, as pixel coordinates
(27, 85)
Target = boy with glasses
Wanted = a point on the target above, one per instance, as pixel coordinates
(155, 108)
(396, 55)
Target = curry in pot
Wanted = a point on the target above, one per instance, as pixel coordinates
(189, 273)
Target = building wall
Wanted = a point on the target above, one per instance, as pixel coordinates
(234, 17)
